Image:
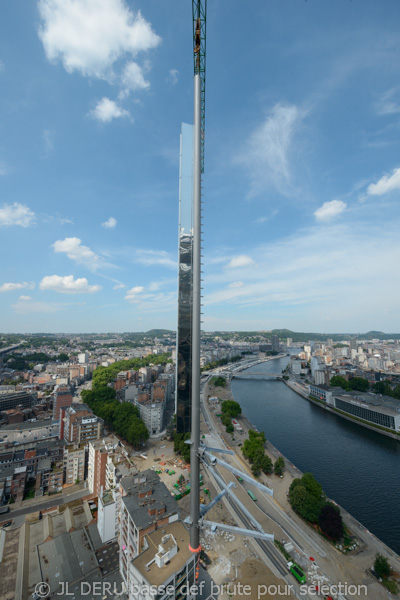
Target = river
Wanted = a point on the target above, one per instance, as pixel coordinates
(358, 468)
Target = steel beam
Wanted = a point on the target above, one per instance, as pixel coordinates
(237, 530)
(215, 460)
(244, 510)
(206, 507)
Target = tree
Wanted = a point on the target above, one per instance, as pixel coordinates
(218, 381)
(231, 408)
(279, 466)
(311, 484)
(330, 521)
(359, 383)
(297, 497)
(381, 566)
(339, 381)
(180, 447)
(379, 387)
(311, 509)
(266, 464)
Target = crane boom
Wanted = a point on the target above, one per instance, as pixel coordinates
(199, 12)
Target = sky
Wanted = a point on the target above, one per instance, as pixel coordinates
(302, 164)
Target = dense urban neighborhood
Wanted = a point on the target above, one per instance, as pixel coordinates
(87, 453)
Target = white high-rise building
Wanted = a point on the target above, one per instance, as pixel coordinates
(83, 357)
(166, 569)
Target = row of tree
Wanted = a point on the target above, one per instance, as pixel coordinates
(221, 362)
(357, 383)
(105, 375)
(362, 385)
(123, 418)
(309, 501)
(383, 387)
(253, 450)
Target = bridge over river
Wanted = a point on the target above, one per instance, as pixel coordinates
(256, 375)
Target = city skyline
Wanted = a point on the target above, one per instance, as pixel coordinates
(301, 183)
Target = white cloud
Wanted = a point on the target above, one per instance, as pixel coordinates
(388, 104)
(155, 257)
(10, 287)
(106, 110)
(266, 155)
(74, 249)
(387, 183)
(90, 36)
(25, 298)
(240, 261)
(265, 218)
(68, 285)
(119, 286)
(330, 210)
(316, 273)
(26, 307)
(110, 223)
(173, 76)
(133, 295)
(16, 214)
(236, 284)
(132, 77)
(48, 141)
(65, 221)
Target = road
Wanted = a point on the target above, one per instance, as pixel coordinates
(266, 511)
(63, 499)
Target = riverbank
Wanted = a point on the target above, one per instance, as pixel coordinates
(351, 567)
(298, 389)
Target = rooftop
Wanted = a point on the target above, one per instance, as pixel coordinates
(384, 404)
(160, 497)
(146, 561)
(67, 557)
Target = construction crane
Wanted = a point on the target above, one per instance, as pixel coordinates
(199, 8)
(198, 451)
(199, 14)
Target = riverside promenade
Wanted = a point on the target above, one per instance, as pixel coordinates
(354, 567)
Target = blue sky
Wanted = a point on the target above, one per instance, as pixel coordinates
(302, 164)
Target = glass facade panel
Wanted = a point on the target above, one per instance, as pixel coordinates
(366, 413)
(185, 283)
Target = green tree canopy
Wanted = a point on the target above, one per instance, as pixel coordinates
(339, 381)
(330, 521)
(381, 566)
(231, 408)
(311, 484)
(219, 381)
(359, 383)
(279, 466)
(180, 447)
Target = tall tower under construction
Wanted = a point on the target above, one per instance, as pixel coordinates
(183, 395)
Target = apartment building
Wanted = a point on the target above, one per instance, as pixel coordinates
(78, 424)
(166, 569)
(152, 411)
(103, 452)
(62, 399)
(146, 505)
(10, 400)
(74, 463)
